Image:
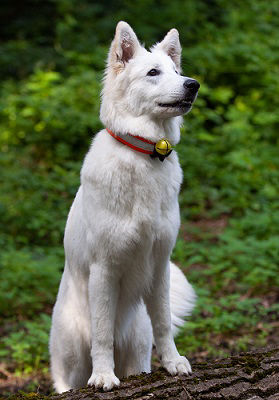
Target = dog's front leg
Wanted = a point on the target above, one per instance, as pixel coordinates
(103, 296)
(158, 306)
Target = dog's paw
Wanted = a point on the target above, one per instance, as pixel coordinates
(177, 366)
(104, 380)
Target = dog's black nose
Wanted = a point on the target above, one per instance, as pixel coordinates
(192, 85)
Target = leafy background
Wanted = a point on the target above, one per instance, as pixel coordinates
(51, 61)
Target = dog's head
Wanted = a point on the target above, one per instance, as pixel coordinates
(140, 82)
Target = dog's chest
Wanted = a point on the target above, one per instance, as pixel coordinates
(143, 202)
(143, 193)
(133, 203)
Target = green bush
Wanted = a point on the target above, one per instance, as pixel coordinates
(29, 281)
(27, 348)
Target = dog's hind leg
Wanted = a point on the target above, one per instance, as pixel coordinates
(69, 345)
(71, 363)
(59, 379)
(133, 352)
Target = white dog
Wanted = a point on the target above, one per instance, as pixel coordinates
(119, 289)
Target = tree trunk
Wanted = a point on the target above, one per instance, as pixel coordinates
(253, 376)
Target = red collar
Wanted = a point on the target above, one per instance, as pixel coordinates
(137, 143)
(160, 149)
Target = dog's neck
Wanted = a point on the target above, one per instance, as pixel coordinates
(144, 126)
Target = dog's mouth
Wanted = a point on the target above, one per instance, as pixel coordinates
(177, 104)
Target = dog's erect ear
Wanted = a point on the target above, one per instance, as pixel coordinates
(124, 46)
(171, 45)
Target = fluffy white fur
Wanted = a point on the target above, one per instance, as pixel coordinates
(119, 289)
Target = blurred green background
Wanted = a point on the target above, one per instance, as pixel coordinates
(52, 56)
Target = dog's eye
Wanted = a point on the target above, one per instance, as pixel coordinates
(176, 72)
(153, 72)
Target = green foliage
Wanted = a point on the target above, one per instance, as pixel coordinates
(27, 348)
(28, 281)
(50, 116)
(233, 276)
(36, 199)
(234, 164)
(52, 55)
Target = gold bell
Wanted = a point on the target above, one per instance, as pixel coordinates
(163, 147)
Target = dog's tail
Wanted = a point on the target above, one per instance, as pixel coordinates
(182, 298)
